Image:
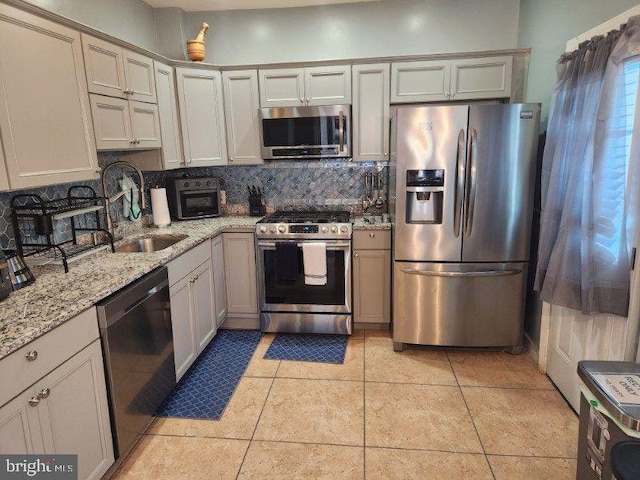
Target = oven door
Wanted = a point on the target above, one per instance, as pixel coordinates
(277, 295)
(199, 204)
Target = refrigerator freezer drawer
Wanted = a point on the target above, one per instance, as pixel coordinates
(466, 305)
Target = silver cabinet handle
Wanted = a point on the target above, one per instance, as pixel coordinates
(372, 235)
(447, 94)
(132, 141)
(483, 273)
(31, 356)
(34, 401)
(302, 101)
(453, 94)
(44, 393)
(356, 255)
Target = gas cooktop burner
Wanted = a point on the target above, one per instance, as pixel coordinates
(305, 225)
(340, 216)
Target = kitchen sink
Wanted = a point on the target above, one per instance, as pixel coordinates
(149, 244)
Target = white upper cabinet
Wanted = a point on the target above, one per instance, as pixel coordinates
(45, 120)
(117, 72)
(201, 117)
(168, 112)
(241, 105)
(481, 77)
(371, 112)
(327, 85)
(442, 80)
(124, 124)
(295, 87)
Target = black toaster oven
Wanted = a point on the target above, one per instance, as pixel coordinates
(193, 197)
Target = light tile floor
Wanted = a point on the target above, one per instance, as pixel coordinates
(423, 413)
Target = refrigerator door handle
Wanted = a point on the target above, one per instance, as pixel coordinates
(459, 185)
(483, 273)
(471, 182)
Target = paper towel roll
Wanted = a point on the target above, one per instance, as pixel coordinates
(160, 207)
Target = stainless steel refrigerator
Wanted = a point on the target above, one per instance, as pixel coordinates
(462, 208)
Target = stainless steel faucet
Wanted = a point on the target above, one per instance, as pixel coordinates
(109, 200)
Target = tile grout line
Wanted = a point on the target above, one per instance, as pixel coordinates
(470, 415)
(364, 404)
(244, 457)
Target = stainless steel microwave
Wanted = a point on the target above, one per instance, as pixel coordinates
(305, 132)
(193, 197)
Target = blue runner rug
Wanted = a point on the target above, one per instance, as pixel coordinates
(207, 387)
(308, 348)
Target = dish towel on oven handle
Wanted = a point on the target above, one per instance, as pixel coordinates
(314, 258)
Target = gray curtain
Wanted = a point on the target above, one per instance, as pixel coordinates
(583, 252)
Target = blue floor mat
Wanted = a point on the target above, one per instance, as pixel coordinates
(308, 348)
(207, 387)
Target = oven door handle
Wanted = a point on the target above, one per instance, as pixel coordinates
(330, 245)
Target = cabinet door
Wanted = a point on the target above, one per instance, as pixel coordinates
(74, 395)
(104, 67)
(145, 125)
(327, 85)
(240, 260)
(138, 72)
(45, 119)
(112, 122)
(4, 178)
(184, 334)
(219, 289)
(420, 81)
(20, 427)
(488, 77)
(203, 305)
(168, 115)
(371, 112)
(372, 286)
(201, 117)
(282, 87)
(241, 103)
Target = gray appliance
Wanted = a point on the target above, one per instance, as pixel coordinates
(609, 416)
(462, 201)
(137, 345)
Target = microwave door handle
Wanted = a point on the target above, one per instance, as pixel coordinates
(341, 130)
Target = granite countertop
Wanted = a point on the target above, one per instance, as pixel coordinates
(56, 297)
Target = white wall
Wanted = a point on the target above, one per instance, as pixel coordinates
(390, 27)
(130, 20)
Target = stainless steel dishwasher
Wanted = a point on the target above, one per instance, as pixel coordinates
(137, 344)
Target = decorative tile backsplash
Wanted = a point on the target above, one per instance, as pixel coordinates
(287, 185)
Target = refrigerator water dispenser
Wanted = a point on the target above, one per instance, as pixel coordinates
(425, 191)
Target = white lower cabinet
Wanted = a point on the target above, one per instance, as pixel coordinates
(219, 282)
(240, 276)
(372, 278)
(65, 412)
(193, 308)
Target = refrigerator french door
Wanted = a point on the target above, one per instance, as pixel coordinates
(464, 201)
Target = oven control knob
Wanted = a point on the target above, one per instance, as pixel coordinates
(272, 229)
(208, 183)
(186, 184)
(344, 229)
(282, 229)
(334, 229)
(197, 184)
(263, 229)
(324, 229)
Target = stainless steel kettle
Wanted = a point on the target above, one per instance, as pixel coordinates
(19, 272)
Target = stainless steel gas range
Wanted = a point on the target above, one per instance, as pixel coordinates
(304, 272)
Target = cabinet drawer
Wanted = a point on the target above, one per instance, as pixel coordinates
(53, 348)
(371, 240)
(188, 261)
